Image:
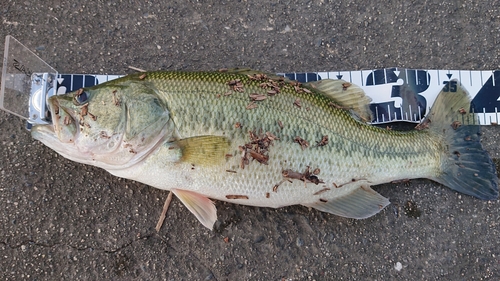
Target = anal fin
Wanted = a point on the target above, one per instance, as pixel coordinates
(202, 207)
(361, 203)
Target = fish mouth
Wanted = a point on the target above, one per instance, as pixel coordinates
(47, 129)
(64, 124)
(49, 137)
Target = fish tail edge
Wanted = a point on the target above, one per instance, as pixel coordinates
(465, 165)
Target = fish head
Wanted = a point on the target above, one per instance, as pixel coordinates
(113, 125)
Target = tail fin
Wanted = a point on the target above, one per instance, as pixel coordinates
(465, 166)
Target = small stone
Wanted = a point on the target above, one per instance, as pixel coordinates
(299, 242)
(259, 239)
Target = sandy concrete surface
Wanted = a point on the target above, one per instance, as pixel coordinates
(60, 220)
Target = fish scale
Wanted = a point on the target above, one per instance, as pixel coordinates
(297, 121)
(271, 110)
(388, 150)
(199, 151)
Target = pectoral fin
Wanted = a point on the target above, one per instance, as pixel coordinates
(203, 150)
(361, 203)
(202, 207)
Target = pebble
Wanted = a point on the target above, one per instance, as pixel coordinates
(259, 239)
(299, 242)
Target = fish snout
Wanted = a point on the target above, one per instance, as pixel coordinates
(65, 125)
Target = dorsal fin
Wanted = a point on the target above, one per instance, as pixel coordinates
(345, 95)
(252, 72)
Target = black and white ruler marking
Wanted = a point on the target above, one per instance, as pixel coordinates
(398, 94)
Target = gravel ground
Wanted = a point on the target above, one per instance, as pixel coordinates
(65, 221)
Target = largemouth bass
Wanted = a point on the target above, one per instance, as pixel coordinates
(255, 139)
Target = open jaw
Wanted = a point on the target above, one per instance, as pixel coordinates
(61, 134)
(65, 124)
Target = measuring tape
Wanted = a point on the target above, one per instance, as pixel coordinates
(400, 94)
(397, 94)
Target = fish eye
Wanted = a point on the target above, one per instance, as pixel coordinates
(81, 97)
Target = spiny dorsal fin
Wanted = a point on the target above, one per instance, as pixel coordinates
(203, 150)
(346, 95)
(252, 72)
